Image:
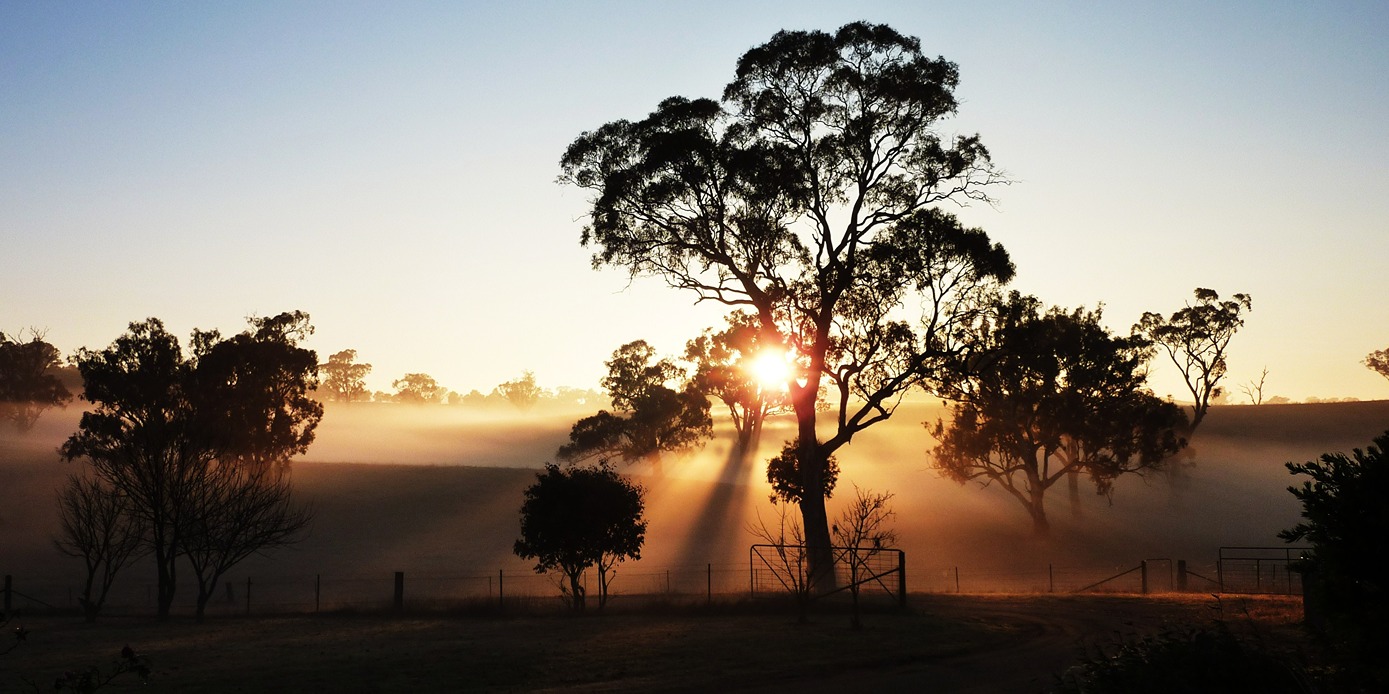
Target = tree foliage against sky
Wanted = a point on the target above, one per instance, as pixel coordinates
(1196, 339)
(581, 517)
(1053, 393)
(187, 439)
(28, 380)
(648, 418)
(1378, 362)
(724, 368)
(522, 391)
(343, 379)
(808, 195)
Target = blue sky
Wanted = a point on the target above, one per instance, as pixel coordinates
(390, 168)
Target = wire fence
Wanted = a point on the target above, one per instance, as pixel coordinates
(239, 594)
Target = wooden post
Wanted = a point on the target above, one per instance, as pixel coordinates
(1181, 575)
(317, 591)
(248, 596)
(9, 589)
(399, 602)
(709, 584)
(1051, 579)
(1143, 571)
(902, 579)
(957, 579)
(501, 596)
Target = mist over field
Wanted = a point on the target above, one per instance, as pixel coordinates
(436, 490)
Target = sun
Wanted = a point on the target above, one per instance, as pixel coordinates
(771, 368)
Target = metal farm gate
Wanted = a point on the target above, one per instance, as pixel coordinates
(1259, 570)
(875, 571)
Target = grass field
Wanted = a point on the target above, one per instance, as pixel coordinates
(436, 493)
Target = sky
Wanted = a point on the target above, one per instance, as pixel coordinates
(391, 168)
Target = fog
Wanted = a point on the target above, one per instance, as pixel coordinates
(436, 490)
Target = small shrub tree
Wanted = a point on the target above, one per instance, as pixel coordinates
(1346, 520)
(579, 517)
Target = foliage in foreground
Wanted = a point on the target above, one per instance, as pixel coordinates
(1187, 659)
(1346, 520)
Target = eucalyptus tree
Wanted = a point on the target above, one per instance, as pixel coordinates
(184, 437)
(1059, 396)
(1196, 339)
(809, 195)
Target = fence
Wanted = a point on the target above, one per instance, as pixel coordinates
(1236, 570)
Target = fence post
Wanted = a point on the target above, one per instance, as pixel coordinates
(1220, 574)
(1181, 575)
(1143, 571)
(248, 596)
(399, 602)
(957, 579)
(317, 591)
(902, 579)
(1051, 579)
(9, 589)
(501, 595)
(709, 583)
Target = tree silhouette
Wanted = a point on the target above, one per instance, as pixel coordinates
(97, 525)
(581, 517)
(652, 418)
(1345, 521)
(784, 474)
(521, 392)
(28, 380)
(1195, 338)
(416, 389)
(808, 195)
(1053, 393)
(343, 379)
(1378, 362)
(861, 533)
(725, 364)
(166, 431)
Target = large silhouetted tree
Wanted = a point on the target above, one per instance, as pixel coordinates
(1055, 393)
(726, 368)
(167, 430)
(809, 195)
(28, 379)
(649, 417)
(581, 517)
(1196, 338)
(343, 379)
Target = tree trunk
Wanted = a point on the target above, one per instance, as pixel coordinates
(1040, 526)
(167, 575)
(814, 519)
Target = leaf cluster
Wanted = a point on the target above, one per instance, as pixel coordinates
(1346, 520)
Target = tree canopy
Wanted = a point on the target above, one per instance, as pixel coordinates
(343, 379)
(581, 517)
(29, 383)
(651, 417)
(1345, 519)
(1054, 393)
(187, 439)
(522, 392)
(1378, 362)
(808, 195)
(726, 367)
(1196, 338)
